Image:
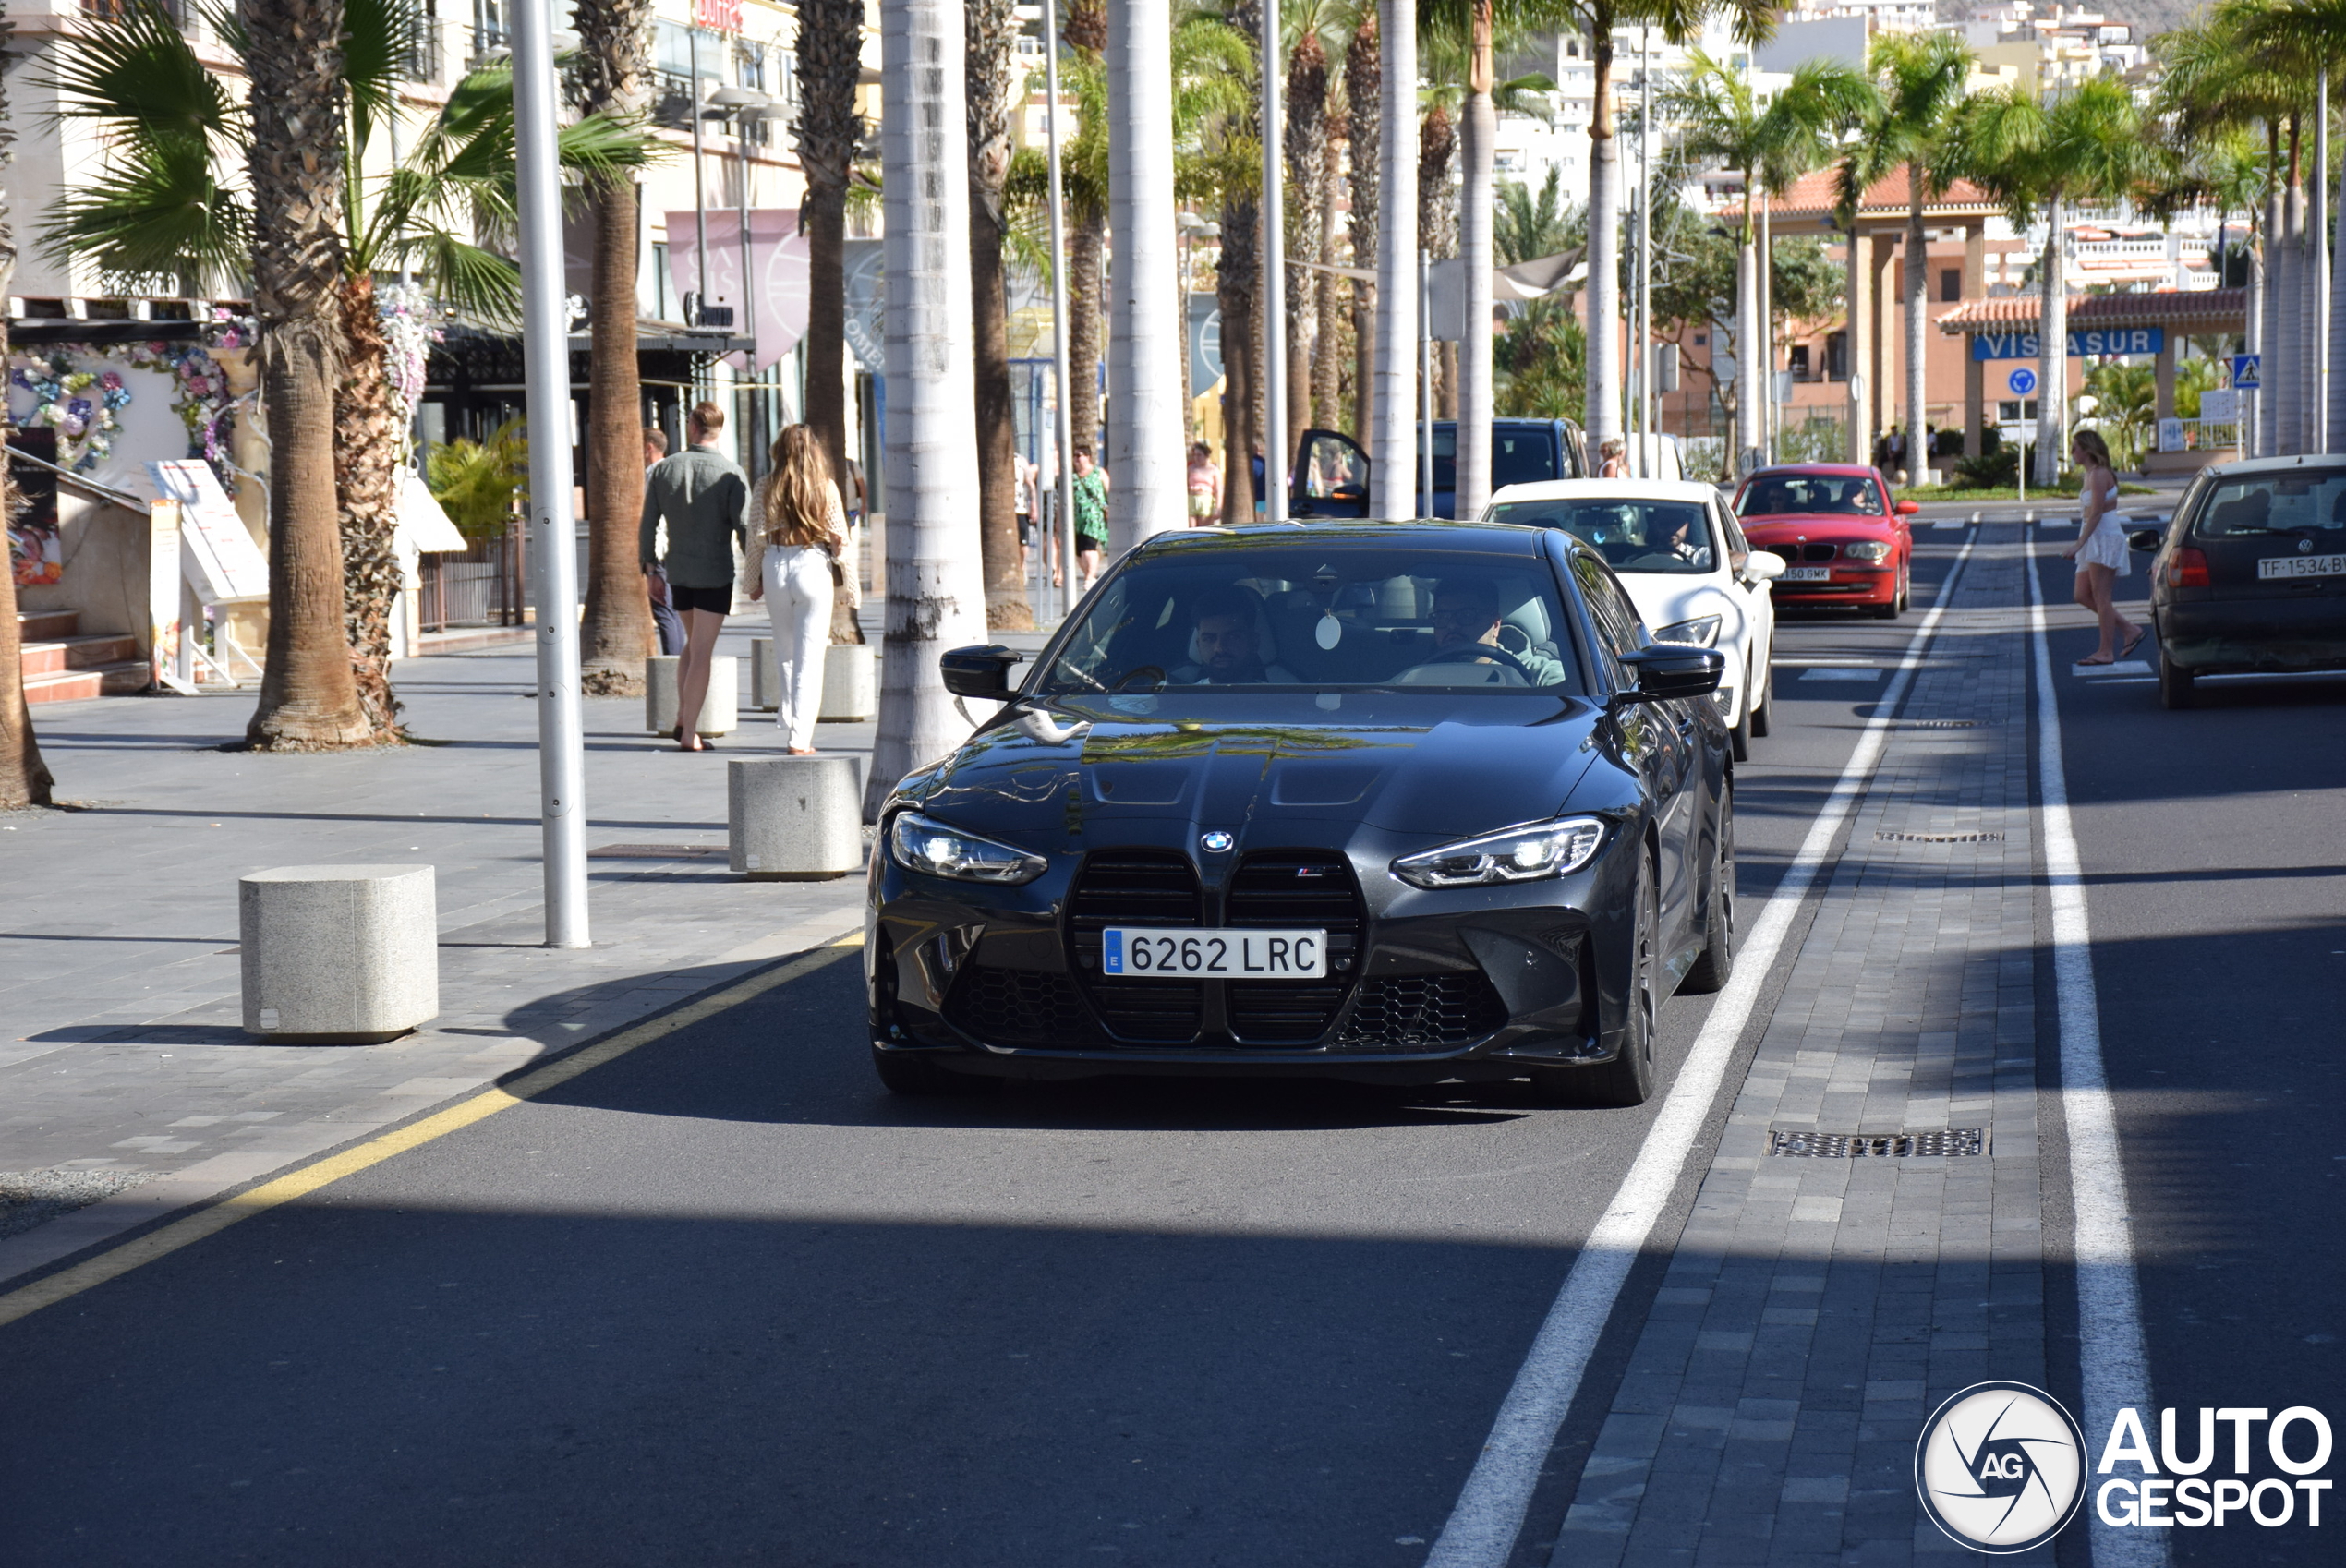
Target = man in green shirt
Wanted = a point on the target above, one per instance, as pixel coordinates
(704, 498)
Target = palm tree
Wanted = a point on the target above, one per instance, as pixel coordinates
(24, 778)
(1304, 143)
(1237, 278)
(2084, 145)
(991, 28)
(1925, 76)
(297, 161)
(158, 206)
(831, 56)
(611, 68)
(1772, 146)
(935, 587)
(1364, 97)
(1083, 162)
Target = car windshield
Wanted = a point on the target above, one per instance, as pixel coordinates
(1771, 495)
(1632, 536)
(2309, 501)
(1332, 614)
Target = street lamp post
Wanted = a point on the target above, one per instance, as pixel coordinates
(1275, 455)
(562, 757)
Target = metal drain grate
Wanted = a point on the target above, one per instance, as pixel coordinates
(1939, 724)
(1938, 837)
(1874, 1145)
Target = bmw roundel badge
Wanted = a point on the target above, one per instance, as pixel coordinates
(1217, 842)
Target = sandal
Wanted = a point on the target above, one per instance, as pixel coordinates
(2133, 641)
(2093, 663)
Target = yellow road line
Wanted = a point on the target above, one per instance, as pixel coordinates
(119, 1260)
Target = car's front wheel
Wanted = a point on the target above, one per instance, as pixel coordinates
(1628, 1079)
(1716, 963)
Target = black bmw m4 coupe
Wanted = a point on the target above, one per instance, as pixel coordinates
(1397, 803)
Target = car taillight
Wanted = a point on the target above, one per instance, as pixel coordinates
(2187, 568)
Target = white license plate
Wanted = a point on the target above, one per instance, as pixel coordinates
(2302, 566)
(1132, 953)
(1808, 574)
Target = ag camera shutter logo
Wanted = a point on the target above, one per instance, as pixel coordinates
(2000, 1467)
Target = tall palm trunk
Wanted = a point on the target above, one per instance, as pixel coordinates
(1236, 277)
(24, 778)
(1392, 400)
(831, 52)
(1752, 365)
(2052, 349)
(1480, 125)
(1305, 142)
(935, 587)
(1365, 90)
(1327, 364)
(992, 27)
(368, 441)
(309, 697)
(1604, 421)
(1916, 280)
(1148, 345)
(1085, 31)
(617, 630)
(1438, 236)
(2285, 369)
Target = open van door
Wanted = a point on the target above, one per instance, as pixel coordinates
(1331, 477)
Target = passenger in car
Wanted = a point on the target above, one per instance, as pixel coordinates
(1466, 611)
(1229, 642)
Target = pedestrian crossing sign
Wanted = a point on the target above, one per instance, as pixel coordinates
(2247, 372)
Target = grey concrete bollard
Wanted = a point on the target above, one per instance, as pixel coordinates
(795, 819)
(720, 711)
(763, 682)
(338, 954)
(851, 682)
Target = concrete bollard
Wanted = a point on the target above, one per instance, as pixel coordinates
(720, 711)
(851, 682)
(795, 819)
(764, 684)
(338, 954)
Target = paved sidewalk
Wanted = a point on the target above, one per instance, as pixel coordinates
(125, 1076)
(1815, 1309)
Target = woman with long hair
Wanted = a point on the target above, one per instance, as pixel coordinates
(803, 528)
(2100, 549)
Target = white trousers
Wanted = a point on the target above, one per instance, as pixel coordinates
(798, 598)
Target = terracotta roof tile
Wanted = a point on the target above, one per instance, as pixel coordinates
(2214, 310)
(1816, 192)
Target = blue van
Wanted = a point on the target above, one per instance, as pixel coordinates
(1331, 477)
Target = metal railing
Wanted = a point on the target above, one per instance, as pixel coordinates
(486, 586)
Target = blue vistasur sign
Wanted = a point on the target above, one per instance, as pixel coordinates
(2094, 340)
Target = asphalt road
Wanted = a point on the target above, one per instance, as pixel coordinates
(723, 1300)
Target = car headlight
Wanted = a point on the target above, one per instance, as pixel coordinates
(1702, 631)
(1513, 855)
(1872, 552)
(927, 846)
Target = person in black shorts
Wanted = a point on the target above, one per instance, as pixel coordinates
(704, 498)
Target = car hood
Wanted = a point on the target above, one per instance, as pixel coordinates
(1065, 775)
(1824, 528)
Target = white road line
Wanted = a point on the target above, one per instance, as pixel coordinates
(2115, 1370)
(1489, 1514)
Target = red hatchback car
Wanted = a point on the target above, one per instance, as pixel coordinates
(1843, 539)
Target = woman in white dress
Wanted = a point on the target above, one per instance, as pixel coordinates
(2101, 551)
(801, 537)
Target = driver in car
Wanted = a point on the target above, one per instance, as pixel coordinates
(1226, 641)
(1466, 613)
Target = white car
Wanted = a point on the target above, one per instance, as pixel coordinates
(1692, 574)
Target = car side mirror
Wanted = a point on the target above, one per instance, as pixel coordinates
(1907, 507)
(1764, 565)
(1665, 672)
(2146, 539)
(979, 671)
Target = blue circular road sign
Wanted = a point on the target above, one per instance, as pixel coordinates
(2023, 381)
